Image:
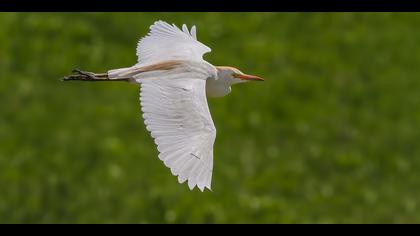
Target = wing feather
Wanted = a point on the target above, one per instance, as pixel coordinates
(176, 114)
(168, 42)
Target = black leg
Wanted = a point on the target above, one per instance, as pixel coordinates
(86, 76)
(89, 76)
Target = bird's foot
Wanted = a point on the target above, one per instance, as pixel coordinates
(85, 76)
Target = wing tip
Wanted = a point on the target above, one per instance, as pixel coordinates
(191, 183)
(158, 22)
(191, 32)
(201, 187)
(145, 48)
(194, 32)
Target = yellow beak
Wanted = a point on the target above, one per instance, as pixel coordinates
(249, 77)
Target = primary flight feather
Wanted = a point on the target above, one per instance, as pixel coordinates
(175, 81)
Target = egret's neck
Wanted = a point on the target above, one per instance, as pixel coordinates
(215, 87)
(220, 86)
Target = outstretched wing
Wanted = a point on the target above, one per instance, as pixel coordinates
(168, 42)
(175, 111)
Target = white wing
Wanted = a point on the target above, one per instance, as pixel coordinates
(175, 111)
(166, 42)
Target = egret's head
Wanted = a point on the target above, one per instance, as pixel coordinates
(234, 76)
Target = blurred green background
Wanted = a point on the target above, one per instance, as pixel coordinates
(331, 136)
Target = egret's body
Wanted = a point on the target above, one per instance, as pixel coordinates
(174, 81)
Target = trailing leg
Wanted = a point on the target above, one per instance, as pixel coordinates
(89, 76)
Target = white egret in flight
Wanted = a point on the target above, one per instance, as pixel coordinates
(175, 80)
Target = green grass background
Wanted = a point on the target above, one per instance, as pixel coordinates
(331, 136)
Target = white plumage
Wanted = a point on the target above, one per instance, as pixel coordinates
(174, 81)
(174, 104)
(166, 42)
(175, 111)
